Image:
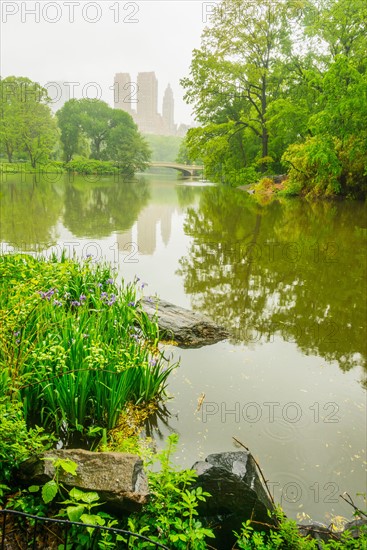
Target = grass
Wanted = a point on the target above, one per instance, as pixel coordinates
(74, 348)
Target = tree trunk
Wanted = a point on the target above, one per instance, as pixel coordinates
(9, 153)
(265, 135)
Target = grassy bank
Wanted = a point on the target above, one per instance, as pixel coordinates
(77, 166)
(74, 348)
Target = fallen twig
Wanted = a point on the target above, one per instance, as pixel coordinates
(258, 467)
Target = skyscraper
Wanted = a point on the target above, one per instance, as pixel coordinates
(147, 108)
(125, 92)
(168, 108)
(140, 100)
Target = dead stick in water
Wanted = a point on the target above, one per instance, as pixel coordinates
(200, 402)
(351, 503)
(258, 467)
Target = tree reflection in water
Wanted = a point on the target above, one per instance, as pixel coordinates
(291, 268)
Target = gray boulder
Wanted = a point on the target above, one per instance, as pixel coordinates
(188, 328)
(118, 478)
(237, 495)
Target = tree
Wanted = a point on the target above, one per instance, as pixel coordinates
(68, 118)
(111, 134)
(237, 74)
(332, 159)
(26, 122)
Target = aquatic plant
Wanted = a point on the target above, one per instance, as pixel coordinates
(74, 347)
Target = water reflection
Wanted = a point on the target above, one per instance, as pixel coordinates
(292, 268)
(29, 211)
(96, 210)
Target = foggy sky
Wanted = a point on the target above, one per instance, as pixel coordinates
(83, 41)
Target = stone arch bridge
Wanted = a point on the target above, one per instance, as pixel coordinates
(185, 169)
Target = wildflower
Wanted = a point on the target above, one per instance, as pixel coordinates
(104, 295)
(112, 300)
(131, 304)
(16, 333)
(143, 285)
(153, 362)
(57, 303)
(75, 303)
(109, 282)
(47, 295)
(82, 298)
(99, 285)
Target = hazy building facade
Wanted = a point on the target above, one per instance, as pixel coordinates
(140, 100)
(168, 109)
(124, 93)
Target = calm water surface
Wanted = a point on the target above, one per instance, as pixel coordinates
(288, 281)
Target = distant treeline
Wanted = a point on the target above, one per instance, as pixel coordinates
(86, 134)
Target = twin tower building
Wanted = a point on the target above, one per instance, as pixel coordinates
(140, 100)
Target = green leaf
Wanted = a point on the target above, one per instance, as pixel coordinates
(33, 488)
(90, 497)
(76, 494)
(49, 491)
(92, 519)
(75, 512)
(69, 466)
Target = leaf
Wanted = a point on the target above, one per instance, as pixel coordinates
(92, 519)
(33, 488)
(49, 491)
(69, 466)
(75, 512)
(76, 494)
(90, 497)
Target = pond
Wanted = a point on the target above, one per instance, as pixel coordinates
(287, 279)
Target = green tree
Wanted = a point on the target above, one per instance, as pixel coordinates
(236, 74)
(111, 134)
(68, 118)
(27, 124)
(332, 159)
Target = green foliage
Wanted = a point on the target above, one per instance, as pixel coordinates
(285, 81)
(17, 443)
(75, 348)
(184, 155)
(171, 515)
(91, 166)
(89, 127)
(26, 123)
(164, 148)
(287, 537)
(80, 507)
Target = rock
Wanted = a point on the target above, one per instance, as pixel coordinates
(318, 531)
(355, 527)
(118, 478)
(188, 328)
(237, 495)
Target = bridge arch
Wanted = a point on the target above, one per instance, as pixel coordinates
(185, 169)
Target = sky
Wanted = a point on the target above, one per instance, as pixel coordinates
(85, 42)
